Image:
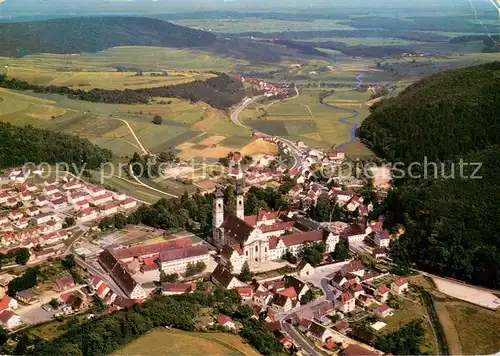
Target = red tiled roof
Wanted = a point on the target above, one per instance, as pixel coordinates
(223, 319)
(282, 225)
(382, 308)
(383, 289)
(6, 315)
(289, 292)
(400, 282)
(302, 237)
(151, 249)
(65, 296)
(178, 287)
(245, 291)
(65, 282)
(4, 303)
(345, 297)
(101, 289)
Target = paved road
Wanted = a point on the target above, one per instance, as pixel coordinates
(299, 339)
(104, 276)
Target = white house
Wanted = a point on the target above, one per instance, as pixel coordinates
(282, 303)
(399, 286)
(382, 239)
(10, 320)
(345, 302)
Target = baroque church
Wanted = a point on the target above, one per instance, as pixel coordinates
(265, 236)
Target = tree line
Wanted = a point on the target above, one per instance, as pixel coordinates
(107, 333)
(19, 145)
(221, 92)
(450, 217)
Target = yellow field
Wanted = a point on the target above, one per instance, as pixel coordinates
(86, 80)
(165, 342)
(259, 146)
(477, 329)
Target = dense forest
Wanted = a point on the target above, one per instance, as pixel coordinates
(221, 92)
(439, 117)
(491, 43)
(92, 34)
(19, 145)
(451, 216)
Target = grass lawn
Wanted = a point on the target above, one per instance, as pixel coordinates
(407, 312)
(478, 328)
(144, 58)
(170, 342)
(87, 80)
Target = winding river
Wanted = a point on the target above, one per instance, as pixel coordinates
(352, 114)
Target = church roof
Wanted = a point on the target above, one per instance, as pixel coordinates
(263, 215)
(236, 229)
(218, 192)
(239, 190)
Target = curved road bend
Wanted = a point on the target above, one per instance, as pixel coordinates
(247, 102)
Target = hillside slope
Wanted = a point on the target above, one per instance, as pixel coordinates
(442, 116)
(92, 34)
(451, 219)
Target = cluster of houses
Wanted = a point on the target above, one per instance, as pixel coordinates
(33, 213)
(269, 89)
(275, 296)
(353, 290)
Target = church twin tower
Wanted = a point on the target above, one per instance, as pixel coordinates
(218, 206)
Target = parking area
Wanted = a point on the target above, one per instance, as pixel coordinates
(468, 293)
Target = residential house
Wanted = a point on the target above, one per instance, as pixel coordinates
(64, 283)
(120, 196)
(88, 214)
(245, 292)
(110, 208)
(399, 286)
(300, 287)
(383, 310)
(382, 293)
(102, 199)
(10, 320)
(129, 203)
(345, 302)
(282, 303)
(26, 296)
(304, 269)
(177, 288)
(226, 322)
(8, 303)
(355, 267)
(224, 278)
(319, 332)
(59, 203)
(379, 252)
(382, 239)
(96, 190)
(262, 298)
(44, 217)
(16, 214)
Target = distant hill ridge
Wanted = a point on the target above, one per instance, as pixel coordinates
(92, 34)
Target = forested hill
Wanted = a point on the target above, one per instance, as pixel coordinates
(20, 145)
(441, 117)
(451, 220)
(92, 34)
(221, 92)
